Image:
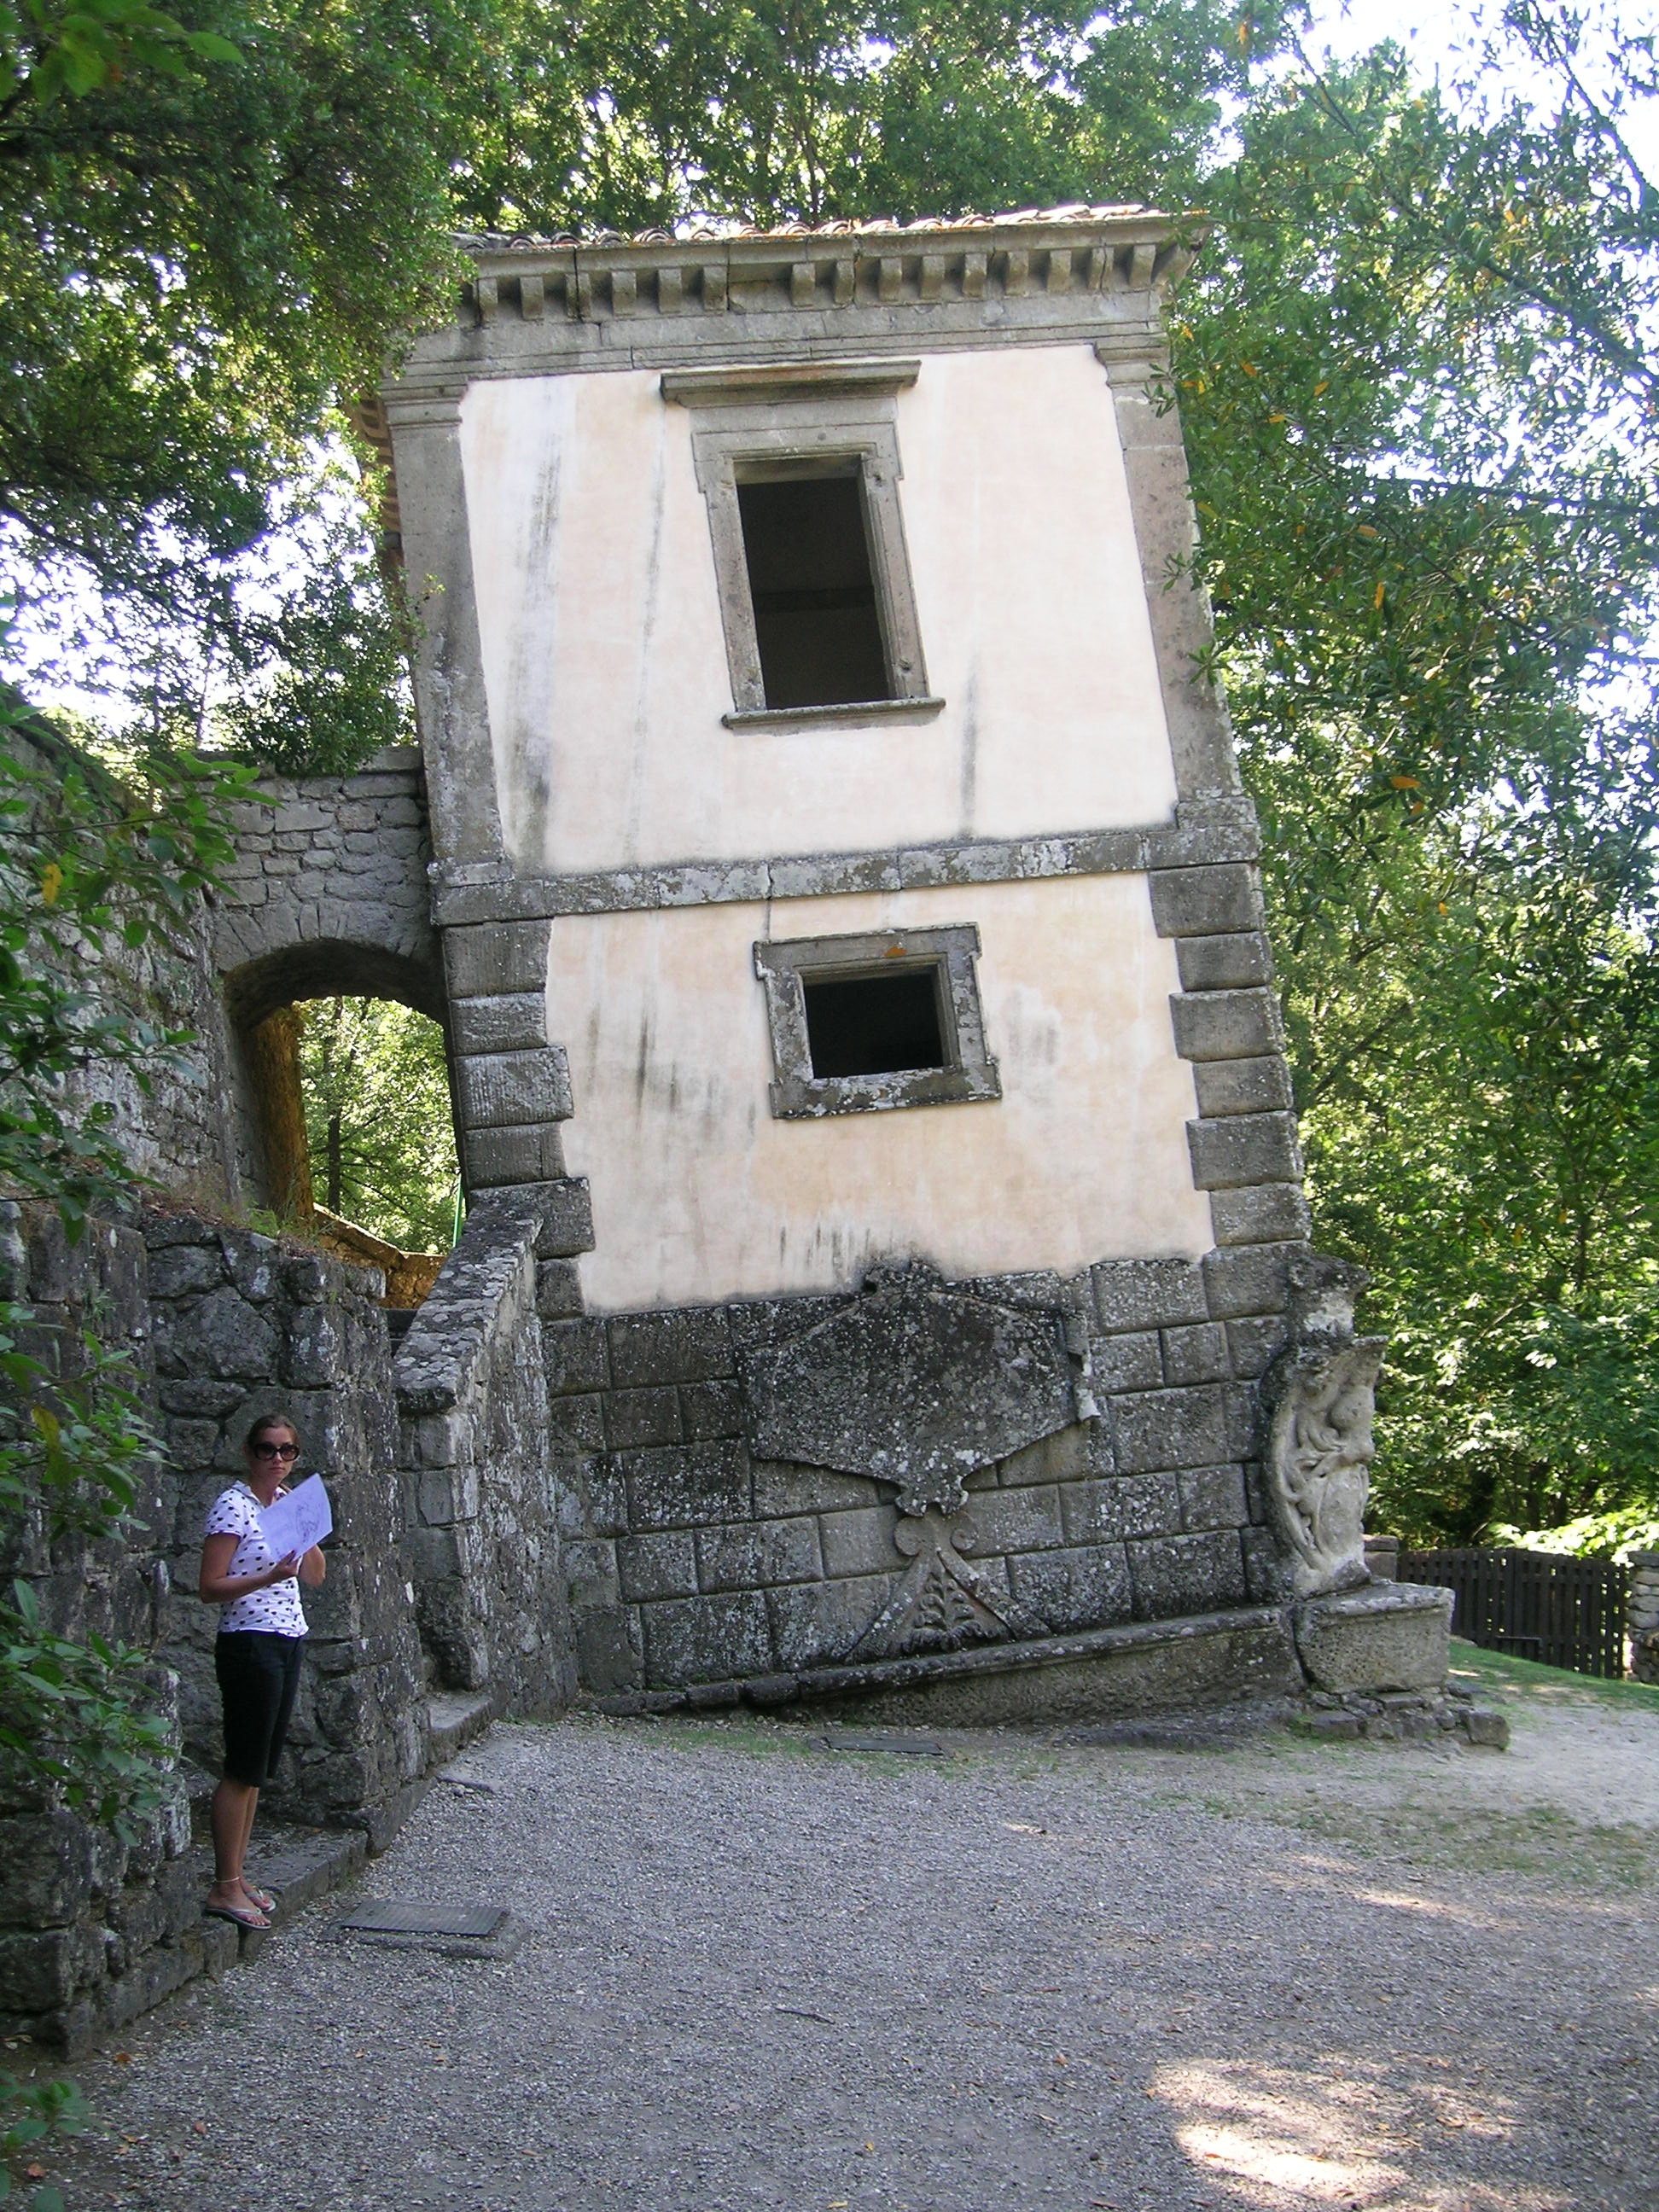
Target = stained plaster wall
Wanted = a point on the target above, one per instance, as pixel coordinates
(699, 1193)
(604, 662)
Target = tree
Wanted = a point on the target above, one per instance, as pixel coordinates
(377, 1122)
(202, 255)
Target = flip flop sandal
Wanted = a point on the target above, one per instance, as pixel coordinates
(262, 1898)
(249, 1916)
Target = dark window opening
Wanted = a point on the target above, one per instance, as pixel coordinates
(817, 623)
(883, 1024)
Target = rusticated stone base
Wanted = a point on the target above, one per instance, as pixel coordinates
(1389, 1636)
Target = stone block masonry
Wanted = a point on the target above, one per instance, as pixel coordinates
(444, 1519)
(243, 1326)
(481, 1539)
(1642, 1616)
(693, 1561)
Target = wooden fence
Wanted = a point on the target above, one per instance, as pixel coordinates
(1534, 1605)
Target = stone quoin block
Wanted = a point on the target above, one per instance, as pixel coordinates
(609, 1650)
(576, 1425)
(1254, 1343)
(1263, 1213)
(1243, 1148)
(1204, 902)
(516, 1022)
(1226, 1024)
(1238, 961)
(498, 1157)
(558, 1289)
(505, 1089)
(1241, 1086)
(498, 958)
(1247, 1279)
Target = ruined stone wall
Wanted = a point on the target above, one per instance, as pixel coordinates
(484, 1543)
(244, 1327)
(182, 1132)
(92, 1929)
(697, 1559)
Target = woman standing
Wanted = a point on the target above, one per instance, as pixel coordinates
(255, 1655)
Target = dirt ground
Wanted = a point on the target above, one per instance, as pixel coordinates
(762, 1970)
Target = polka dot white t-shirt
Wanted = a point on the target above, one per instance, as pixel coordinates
(276, 1608)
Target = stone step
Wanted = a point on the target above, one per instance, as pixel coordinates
(458, 1717)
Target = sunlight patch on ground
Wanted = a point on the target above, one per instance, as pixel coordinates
(1279, 2142)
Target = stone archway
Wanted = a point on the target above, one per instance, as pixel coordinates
(328, 897)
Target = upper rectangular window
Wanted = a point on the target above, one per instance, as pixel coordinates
(799, 466)
(817, 625)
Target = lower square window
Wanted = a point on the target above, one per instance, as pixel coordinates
(863, 1024)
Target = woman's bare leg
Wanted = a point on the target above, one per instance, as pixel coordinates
(233, 1804)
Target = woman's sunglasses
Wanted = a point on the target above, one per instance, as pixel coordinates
(277, 1451)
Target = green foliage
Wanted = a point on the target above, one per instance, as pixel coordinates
(30, 2110)
(1613, 1536)
(90, 870)
(1415, 383)
(378, 1123)
(199, 266)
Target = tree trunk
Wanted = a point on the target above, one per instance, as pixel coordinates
(273, 1065)
(334, 1162)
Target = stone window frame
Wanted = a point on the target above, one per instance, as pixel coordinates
(785, 419)
(785, 965)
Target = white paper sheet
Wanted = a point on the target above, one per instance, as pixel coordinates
(298, 1519)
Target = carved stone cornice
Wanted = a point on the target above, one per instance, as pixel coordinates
(1039, 253)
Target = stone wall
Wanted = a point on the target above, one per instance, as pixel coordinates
(182, 1132)
(697, 1559)
(92, 1929)
(242, 1327)
(1642, 1616)
(483, 1544)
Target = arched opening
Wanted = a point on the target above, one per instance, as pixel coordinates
(348, 1106)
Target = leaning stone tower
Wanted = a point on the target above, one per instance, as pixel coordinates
(853, 959)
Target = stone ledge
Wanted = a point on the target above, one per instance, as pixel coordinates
(1197, 863)
(1203, 1659)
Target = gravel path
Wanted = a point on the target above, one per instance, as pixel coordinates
(762, 1974)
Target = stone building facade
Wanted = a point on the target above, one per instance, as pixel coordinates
(853, 948)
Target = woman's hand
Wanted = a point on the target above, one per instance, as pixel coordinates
(218, 1586)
